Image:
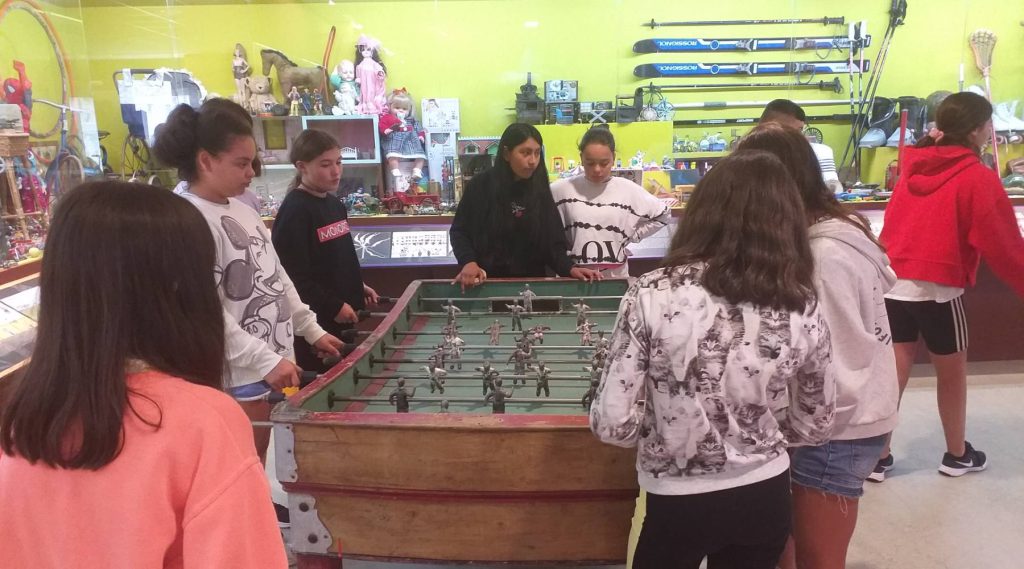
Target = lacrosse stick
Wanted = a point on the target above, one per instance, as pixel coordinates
(983, 43)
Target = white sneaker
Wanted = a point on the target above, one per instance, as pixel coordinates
(1003, 113)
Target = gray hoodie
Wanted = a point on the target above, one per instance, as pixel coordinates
(852, 275)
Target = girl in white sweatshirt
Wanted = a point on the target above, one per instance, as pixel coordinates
(851, 276)
(719, 362)
(602, 214)
(214, 151)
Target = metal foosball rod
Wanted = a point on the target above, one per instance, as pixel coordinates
(536, 347)
(517, 297)
(465, 361)
(525, 315)
(332, 399)
(471, 333)
(476, 379)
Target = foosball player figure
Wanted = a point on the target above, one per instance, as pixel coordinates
(497, 397)
(400, 397)
(584, 331)
(438, 356)
(542, 372)
(595, 371)
(528, 296)
(602, 343)
(599, 358)
(495, 331)
(444, 406)
(455, 347)
(436, 375)
(588, 397)
(582, 312)
(537, 334)
(450, 311)
(517, 315)
(520, 357)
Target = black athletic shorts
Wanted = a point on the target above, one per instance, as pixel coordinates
(942, 324)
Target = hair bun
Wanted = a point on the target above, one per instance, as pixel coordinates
(177, 139)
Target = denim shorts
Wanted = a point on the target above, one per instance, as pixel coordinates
(837, 467)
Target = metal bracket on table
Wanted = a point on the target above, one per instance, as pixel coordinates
(284, 453)
(308, 533)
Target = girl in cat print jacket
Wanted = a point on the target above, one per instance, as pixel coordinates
(712, 393)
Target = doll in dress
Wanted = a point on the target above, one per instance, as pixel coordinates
(371, 75)
(401, 138)
(240, 70)
(295, 108)
(346, 90)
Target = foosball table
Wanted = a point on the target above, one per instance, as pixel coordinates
(457, 432)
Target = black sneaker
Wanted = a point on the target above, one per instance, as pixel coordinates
(284, 520)
(971, 461)
(884, 465)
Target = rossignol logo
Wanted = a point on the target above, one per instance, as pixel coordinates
(332, 231)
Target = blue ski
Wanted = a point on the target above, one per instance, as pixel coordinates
(656, 70)
(676, 45)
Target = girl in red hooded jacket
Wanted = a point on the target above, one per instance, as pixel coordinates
(948, 211)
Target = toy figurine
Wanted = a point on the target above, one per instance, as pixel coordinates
(240, 70)
(455, 347)
(436, 376)
(19, 92)
(488, 374)
(602, 343)
(528, 296)
(371, 75)
(599, 358)
(346, 89)
(401, 139)
(437, 358)
(542, 372)
(451, 310)
(584, 331)
(595, 371)
(517, 315)
(307, 102)
(537, 334)
(444, 406)
(318, 102)
(520, 357)
(588, 397)
(261, 100)
(637, 161)
(295, 107)
(666, 162)
(495, 331)
(498, 396)
(400, 397)
(582, 312)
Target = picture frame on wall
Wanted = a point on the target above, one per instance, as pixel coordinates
(440, 115)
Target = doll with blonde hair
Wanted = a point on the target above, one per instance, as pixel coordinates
(401, 137)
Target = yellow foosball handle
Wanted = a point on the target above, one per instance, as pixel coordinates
(289, 391)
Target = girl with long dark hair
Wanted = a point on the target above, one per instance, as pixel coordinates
(116, 442)
(851, 276)
(720, 360)
(507, 224)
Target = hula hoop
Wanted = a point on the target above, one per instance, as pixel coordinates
(37, 12)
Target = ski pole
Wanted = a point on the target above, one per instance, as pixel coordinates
(826, 21)
(708, 122)
(735, 104)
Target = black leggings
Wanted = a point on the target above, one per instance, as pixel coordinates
(738, 528)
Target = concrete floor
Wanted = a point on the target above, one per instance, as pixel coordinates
(919, 519)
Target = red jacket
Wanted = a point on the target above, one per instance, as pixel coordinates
(948, 210)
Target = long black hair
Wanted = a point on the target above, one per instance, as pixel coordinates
(536, 197)
(126, 276)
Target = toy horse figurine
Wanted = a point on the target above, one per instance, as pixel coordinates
(289, 74)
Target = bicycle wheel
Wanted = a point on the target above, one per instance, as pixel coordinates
(134, 158)
(70, 172)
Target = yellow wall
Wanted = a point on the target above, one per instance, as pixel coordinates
(480, 50)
